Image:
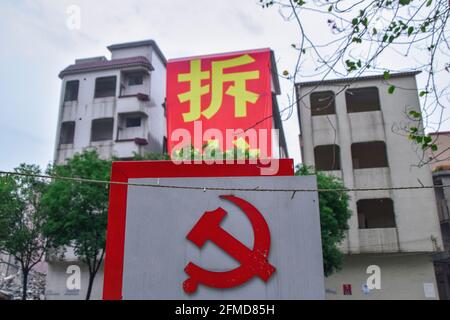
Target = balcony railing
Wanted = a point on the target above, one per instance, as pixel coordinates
(378, 240)
(137, 103)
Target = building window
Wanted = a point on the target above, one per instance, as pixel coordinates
(322, 103)
(135, 79)
(362, 99)
(67, 133)
(132, 122)
(164, 105)
(375, 213)
(369, 155)
(102, 129)
(105, 87)
(165, 145)
(327, 157)
(71, 92)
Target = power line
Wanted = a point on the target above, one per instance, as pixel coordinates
(256, 189)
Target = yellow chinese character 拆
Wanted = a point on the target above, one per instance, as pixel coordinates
(218, 78)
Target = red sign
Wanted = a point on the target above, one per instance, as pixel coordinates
(347, 288)
(253, 262)
(222, 100)
(124, 171)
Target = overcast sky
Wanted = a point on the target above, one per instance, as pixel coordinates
(36, 45)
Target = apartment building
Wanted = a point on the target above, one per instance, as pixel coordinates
(440, 165)
(115, 106)
(354, 129)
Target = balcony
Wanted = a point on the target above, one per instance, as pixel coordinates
(136, 103)
(378, 240)
(127, 148)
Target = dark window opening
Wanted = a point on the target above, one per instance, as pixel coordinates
(327, 157)
(71, 92)
(164, 105)
(102, 129)
(375, 213)
(135, 79)
(67, 132)
(133, 122)
(164, 145)
(369, 155)
(105, 87)
(322, 103)
(362, 99)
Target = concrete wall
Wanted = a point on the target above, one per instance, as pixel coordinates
(57, 277)
(402, 277)
(157, 119)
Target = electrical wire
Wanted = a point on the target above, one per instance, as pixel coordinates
(257, 189)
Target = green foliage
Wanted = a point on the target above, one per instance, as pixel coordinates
(418, 136)
(334, 214)
(22, 221)
(211, 151)
(391, 89)
(150, 156)
(77, 211)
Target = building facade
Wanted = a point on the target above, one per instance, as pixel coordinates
(440, 165)
(354, 129)
(117, 107)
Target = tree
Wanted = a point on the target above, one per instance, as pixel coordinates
(367, 36)
(334, 214)
(77, 211)
(22, 221)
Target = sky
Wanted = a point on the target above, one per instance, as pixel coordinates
(37, 42)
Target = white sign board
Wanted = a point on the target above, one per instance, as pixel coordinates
(221, 244)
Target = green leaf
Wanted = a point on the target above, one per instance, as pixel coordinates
(422, 93)
(410, 30)
(355, 21)
(386, 75)
(334, 215)
(365, 22)
(434, 147)
(391, 89)
(405, 2)
(415, 114)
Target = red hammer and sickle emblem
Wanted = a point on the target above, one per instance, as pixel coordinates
(253, 262)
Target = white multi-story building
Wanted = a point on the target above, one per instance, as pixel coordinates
(354, 129)
(117, 107)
